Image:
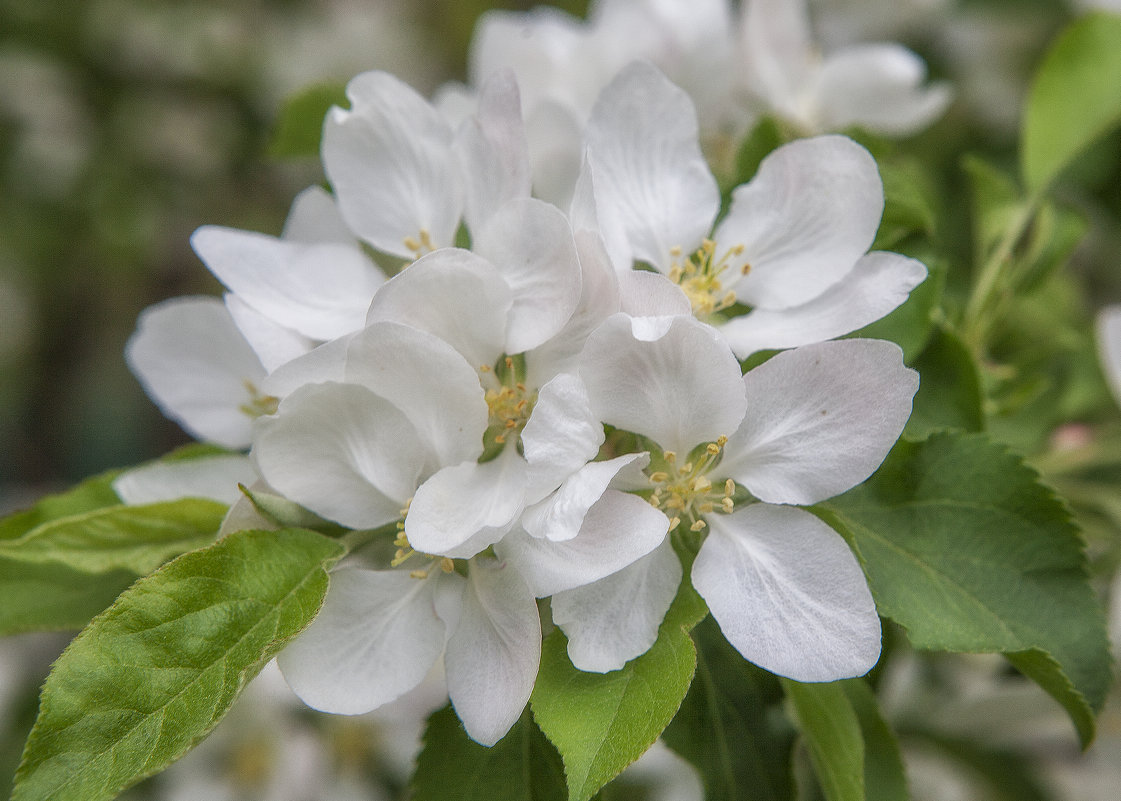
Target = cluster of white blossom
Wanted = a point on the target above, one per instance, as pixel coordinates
(547, 402)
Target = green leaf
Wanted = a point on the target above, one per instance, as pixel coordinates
(832, 731)
(53, 597)
(1074, 98)
(300, 126)
(949, 395)
(884, 776)
(908, 203)
(153, 674)
(93, 493)
(965, 549)
(602, 722)
(731, 726)
(134, 538)
(522, 766)
(764, 138)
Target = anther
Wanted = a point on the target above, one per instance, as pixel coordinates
(698, 525)
(447, 565)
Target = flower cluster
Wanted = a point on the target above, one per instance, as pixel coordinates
(546, 403)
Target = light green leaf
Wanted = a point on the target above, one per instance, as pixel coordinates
(522, 766)
(908, 202)
(884, 775)
(949, 395)
(53, 597)
(966, 550)
(300, 125)
(134, 538)
(602, 722)
(153, 674)
(731, 726)
(93, 493)
(1074, 98)
(832, 731)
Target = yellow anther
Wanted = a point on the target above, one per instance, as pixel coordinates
(688, 468)
(484, 368)
(721, 441)
(729, 488)
(656, 501)
(727, 505)
(501, 438)
(658, 477)
(418, 574)
(511, 423)
(669, 456)
(412, 244)
(698, 525)
(701, 484)
(509, 363)
(675, 251)
(713, 448)
(674, 522)
(447, 565)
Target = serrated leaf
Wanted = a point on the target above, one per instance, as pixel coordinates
(965, 549)
(832, 731)
(153, 674)
(299, 128)
(731, 726)
(949, 395)
(1073, 99)
(522, 766)
(602, 722)
(134, 538)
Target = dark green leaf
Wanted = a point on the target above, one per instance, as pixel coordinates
(522, 766)
(831, 730)
(908, 203)
(53, 597)
(911, 325)
(764, 137)
(731, 726)
(884, 775)
(602, 722)
(966, 550)
(949, 395)
(300, 126)
(1074, 98)
(153, 674)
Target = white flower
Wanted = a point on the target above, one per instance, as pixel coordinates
(874, 86)
(793, 245)
(806, 425)
(1108, 332)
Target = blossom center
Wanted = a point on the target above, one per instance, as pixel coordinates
(420, 244)
(259, 404)
(405, 551)
(509, 402)
(686, 493)
(699, 276)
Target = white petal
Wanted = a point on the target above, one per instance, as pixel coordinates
(646, 294)
(647, 165)
(615, 619)
(878, 87)
(561, 515)
(315, 217)
(454, 294)
(878, 283)
(212, 477)
(562, 435)
(374, 639)
(326, 362)
(809, 213)
(777, 49)
(530, 243)
(493, 655)
(391, 164)
(618, 529)
(1109, 347)
(342, 452)
(820, 419)
(492, 150)
(680, 390)
(555, 133)
(195, 364)
(429, 381)
(321, 290)
(464, 508)
(788, 594)
(273, 343)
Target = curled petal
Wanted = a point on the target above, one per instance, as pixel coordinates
(877, 284)
(561, 515)
(788, 593)
(809, 213)
(562, 435)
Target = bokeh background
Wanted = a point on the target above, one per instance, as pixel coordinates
(127, 124)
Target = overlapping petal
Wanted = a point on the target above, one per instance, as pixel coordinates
(391, 163)
(213, 477)
(615, 619)
(493, 654)
(561, 515)
(788, 594)
(374, 639)
(195, 364)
